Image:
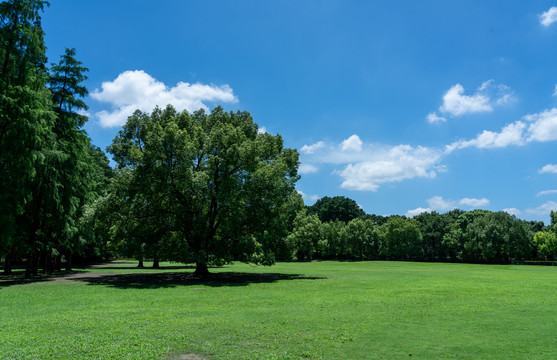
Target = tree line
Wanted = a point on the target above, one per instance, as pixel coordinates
(327, 230)
(206, 188)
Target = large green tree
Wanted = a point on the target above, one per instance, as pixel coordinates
(209, 182)
(26, 120)
(49, 170)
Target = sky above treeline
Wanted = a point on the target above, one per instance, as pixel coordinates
(403, 106)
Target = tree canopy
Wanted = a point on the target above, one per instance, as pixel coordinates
(209, 182)
(337, 208)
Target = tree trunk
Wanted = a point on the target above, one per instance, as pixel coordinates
(156, 264)
(140, 265)
(57, 266)
(35, 267)
(46, 261)
(31, 268)
(69, 262)
(201, 269)
(8, 264)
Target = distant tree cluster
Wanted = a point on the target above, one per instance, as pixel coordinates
(478, 236)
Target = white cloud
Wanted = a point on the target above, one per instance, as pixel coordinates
(308, 198)
(366, 165)
(544, 209)
(546, 192)
(540, 127)
(475, 203)
(433, 118)
(549, 168)
(488, 95)
(512, 134)
(437, 203)
(505, 99)
(395, 164)
(417, 211)
(512, 211)
(353, 143)
(555, 91)
(262, 130)
(455, 103)
(307, 169)
(310, 149)
(549, 17)
(84, 113)
(133, 90)
(543, 126)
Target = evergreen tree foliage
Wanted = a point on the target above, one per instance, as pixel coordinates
(26, 121)
(49, 169)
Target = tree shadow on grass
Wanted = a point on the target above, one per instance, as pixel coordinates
(169, 267)
(174, 279)
(18, 278)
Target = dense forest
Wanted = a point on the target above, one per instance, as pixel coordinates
(203, 188)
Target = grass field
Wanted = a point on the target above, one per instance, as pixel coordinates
(318, 310)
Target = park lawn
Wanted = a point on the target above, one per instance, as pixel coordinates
(317, 310)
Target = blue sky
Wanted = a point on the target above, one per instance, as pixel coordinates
(403, 106)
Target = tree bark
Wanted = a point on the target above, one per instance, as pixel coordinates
(156, 264)
(8, 264)
(69, 262)
(201, 269)
(140, 265)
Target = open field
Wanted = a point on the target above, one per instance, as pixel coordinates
(318, 310)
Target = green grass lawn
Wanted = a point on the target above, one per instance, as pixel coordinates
(318, 310)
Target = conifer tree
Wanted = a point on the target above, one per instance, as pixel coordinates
(26, 121)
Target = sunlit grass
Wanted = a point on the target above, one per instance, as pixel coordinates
(328, 310)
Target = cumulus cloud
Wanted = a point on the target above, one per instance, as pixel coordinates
(549, 168)
(546, 192)
(262, 130)
(133, 90)
(456, 103)
(353, 143)
(475, 203)
(486, 97)
(310, 149)
(365, 166)
(417, 211)
(433, 118)
(549, 17)
(540, 127)
(543, 126)
(438, 203)
(307, 169)
(512, 134)
(512, 211)
(395, 164)
(544, 209)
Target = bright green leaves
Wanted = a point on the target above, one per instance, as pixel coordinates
(219, 185)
